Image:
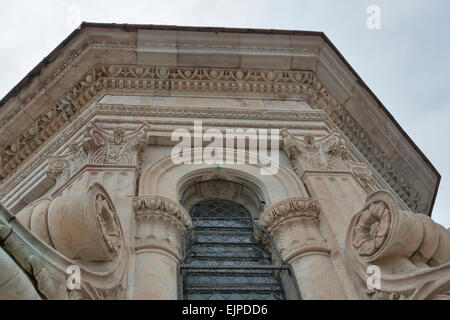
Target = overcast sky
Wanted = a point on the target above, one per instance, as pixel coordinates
(406, 62)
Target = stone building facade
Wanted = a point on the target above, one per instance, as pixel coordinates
(95, 207)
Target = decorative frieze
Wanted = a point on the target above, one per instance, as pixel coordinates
(302, 84)
(100, 147)
(152, 111)
(203, 81)
(36, 135)
(161, 224)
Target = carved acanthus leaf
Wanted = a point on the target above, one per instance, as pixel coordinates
(326, 153)
(160, 223)
(287, 209)
(294, 225)
(100, 147)
(329, 153)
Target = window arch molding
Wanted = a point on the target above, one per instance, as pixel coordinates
(167, 179)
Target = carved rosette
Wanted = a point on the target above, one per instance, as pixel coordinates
(161, 224)
(329, 153)
(382, 230)
(100, 147)
(411, 250)
(294, 225)
(372, 228)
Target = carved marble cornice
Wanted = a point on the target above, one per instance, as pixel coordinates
(329, 153)
(161, 224)
(100, 147)
(294, 225)
(203, 81)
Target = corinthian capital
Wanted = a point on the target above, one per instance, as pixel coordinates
(294, 225)
(325, 154)
(99, 147)
(161, 224)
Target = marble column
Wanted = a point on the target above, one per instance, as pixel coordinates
(160, 227)
(294, 225)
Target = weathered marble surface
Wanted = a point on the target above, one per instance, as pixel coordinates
(85, 165)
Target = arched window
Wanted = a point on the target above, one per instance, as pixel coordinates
(224, 261)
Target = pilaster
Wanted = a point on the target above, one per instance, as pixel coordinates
(334, 177)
